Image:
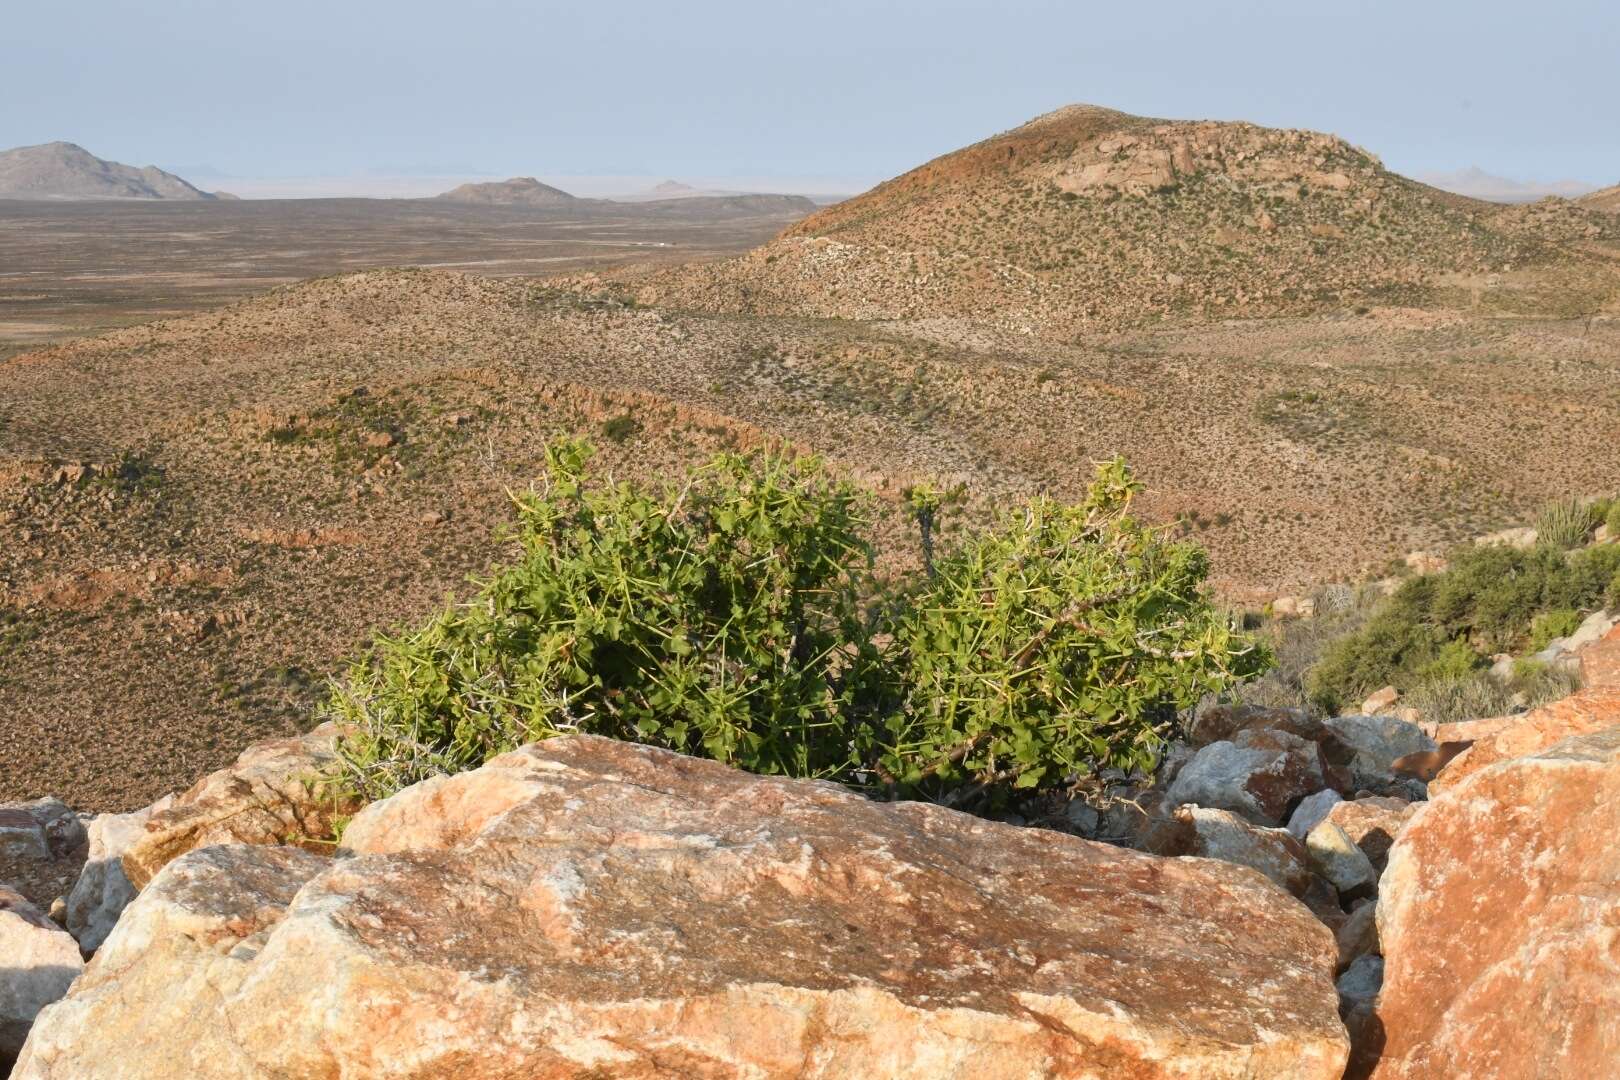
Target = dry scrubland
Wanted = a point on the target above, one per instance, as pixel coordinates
(204, 516)
(69, 268)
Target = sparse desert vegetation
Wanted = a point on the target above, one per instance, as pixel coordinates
(333, 457)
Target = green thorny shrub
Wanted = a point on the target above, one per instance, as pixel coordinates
(736, 617)
(1063, 639)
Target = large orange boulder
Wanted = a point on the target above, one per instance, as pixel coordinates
(583, 907)
(1498, 917)
(1593, 708)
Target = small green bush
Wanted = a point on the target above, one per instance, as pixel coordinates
(1613, 519)
(1551, 625)
(734, 618)
(1492, 599)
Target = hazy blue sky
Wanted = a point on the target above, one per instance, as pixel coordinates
(841, 89)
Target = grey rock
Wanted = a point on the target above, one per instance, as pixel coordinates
(1336, 857)
(1311, 811)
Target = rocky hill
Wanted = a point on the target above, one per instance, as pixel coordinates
(1090, 218)
(1608, 199)
(62, 170)
(518, 191)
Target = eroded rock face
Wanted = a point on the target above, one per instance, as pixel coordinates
(270, 795)
(102, 889)
(38, 962)
(1498, 917)
(587, 907)
(1259, 774)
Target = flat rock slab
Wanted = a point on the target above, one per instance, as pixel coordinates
(1498, 916)
(588, 907)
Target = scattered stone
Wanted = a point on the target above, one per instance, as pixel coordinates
(1381, 701)
(1336, 857)
(1358, 936)
(584, 906)
(38, 962)
(1372, 824)
(1497, 916)
(1311, 811)
(1362, 981)
(1259, 774)
(1221, 834)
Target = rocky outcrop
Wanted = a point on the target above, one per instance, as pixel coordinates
(1498, 916)
(588, 907)
(1593, 708)
(273, 794)
(1260, 774)
(38, 962)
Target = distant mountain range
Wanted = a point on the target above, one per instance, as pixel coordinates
(66, 171)
(670, 196)
(1476, 183)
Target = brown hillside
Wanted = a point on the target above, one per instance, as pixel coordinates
(1607, 200)
(1088, 218)
(204, 517)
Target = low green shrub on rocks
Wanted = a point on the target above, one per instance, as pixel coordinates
(1436, 627)
(734, 616)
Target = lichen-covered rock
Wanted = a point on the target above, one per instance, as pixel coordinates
(1374, 743)
(1221, 834)
(102, 889)
(585, 907)
(38, 962)
(1498, 916)
(1259, 774)
(270, 795)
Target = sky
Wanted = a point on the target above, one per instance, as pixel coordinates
(835, 95)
